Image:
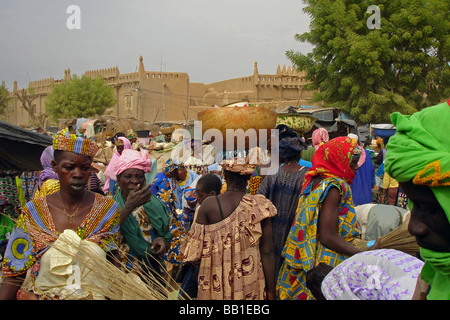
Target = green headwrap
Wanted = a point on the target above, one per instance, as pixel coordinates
(420, 151)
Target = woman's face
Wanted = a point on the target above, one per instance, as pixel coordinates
(171, 174)
(202, 195)
(73, 171)
(181, 174)
(120, 148)
(131, 179)
(428, 222)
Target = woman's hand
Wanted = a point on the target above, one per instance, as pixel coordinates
(139, 197)
(159, 246)
(192, 204)
(136, 198)
(376, 245)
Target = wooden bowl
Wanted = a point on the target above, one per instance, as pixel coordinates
(297, 122)
(167, 130)
(238, 117)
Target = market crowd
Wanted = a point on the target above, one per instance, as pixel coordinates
(223, 231)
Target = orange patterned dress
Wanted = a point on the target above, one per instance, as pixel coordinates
(230, 261)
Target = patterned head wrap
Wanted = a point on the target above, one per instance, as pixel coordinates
(131, 134)
(420, 151)
(119, 142)
(122, 141)
(319, 137)
(171, 165)
(65, 141)
(333, 158)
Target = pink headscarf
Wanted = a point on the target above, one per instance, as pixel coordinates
(109, 172)
(133, 159)
(319, 137)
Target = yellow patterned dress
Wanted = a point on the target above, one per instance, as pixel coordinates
(302, 250)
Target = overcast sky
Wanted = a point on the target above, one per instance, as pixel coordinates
(210, 40)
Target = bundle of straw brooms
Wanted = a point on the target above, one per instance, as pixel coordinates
(398, 239)
(115, 284)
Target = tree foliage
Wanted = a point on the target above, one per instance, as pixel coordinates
(370, 73)
(79, 97)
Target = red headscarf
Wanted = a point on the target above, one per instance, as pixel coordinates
(333, 158)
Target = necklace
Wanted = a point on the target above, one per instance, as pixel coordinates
(71, 217)
(235, 190)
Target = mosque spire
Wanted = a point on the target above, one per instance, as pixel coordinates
(255, 68)
(141, 65)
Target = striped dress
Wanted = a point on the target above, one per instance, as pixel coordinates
(35, 231)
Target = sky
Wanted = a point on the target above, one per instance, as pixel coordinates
(210, 40)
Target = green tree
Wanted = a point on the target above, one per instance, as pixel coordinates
(79, 97)
(370, 73)
(4, 98)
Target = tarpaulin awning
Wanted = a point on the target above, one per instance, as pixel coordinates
(21, 149)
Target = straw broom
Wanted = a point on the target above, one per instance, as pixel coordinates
(115, 284)
(398, 239)
(125, 286)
